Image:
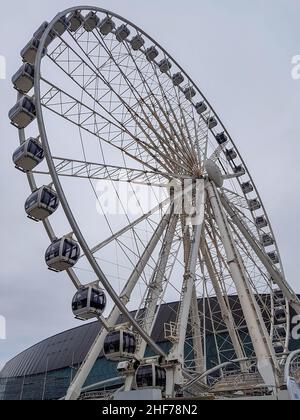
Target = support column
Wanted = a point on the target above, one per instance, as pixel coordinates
(177, 352)
(267, 364)
(200, 361)
(277, 277)
(226, 313)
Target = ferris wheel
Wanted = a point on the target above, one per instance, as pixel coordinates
(103, 109)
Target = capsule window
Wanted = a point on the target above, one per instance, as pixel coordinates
(145, 376)
(35, 150)
(98, 300)
(70, 250)
(80, 300)
(49, 199)
(33, 199)
(19, 152)
(53, 251)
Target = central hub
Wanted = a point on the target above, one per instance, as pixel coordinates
(214, 173)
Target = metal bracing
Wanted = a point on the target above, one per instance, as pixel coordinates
(226, 311)
(267, 363)
(276, 276)
(76, 112)
(142, 120)
(101, 172)
(196, 328)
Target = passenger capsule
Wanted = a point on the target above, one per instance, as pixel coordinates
(40, 32)
(212, 123)
(89, 302)
(23, 79)
(91, 21)
(75, 21)
(261, 222)
(106, 26)
(254, 204)
(239, 171)
(122, 33)
(151, 53)
(62, 254)
(231, 154)
(137, 42)
(274, 257)
(201, 107)
(189, 93)
(151, 376)
(28, 155)
(41, 204)
(23, 113)
(60, 26)
(280, 315)
(178, 79)
(267, 240)
(29, 52)
(120, 345)
(247, 187)
(221, 138)
(165, 65)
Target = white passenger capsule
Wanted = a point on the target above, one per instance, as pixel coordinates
(62, 254)
(29, 52)
(75, 21)
(189, 93)
(23, 113)
(137, 42)
(91, 21)
(122, 33)
(165, 65)
(151, 53)
(106, 26)
(42, 203)
(212, 123)
(23, 79)
(178, 79)
(88, 303)
(28, 155)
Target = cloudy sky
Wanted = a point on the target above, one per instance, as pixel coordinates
(239, 53)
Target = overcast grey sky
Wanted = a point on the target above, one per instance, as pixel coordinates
(239, 52)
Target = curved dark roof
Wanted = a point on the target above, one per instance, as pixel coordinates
(69, 348)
